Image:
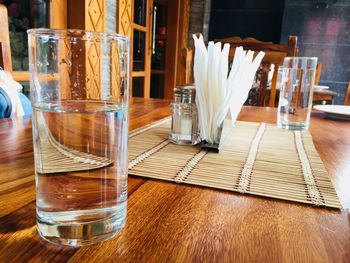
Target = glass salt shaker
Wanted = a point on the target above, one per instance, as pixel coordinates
(184, 123)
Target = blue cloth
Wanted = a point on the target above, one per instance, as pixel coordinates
(6, 107)
(26, 104)
(5, 104)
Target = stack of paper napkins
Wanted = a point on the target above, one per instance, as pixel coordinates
(217, 90)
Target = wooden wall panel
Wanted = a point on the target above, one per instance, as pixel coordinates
(95, 20)
(115, 72)
(58, 16)
(76, 14)
(125, 18)
(65, 70)
(124, 27)
(93, 70)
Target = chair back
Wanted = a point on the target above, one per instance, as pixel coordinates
(5, 49)
(347, 95)
(274, 54)
(318, 73)
(290, 49)
(187, 55)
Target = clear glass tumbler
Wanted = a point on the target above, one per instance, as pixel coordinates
(79, 89)
(296, 80)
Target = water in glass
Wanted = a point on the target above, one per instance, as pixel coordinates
(81, 170)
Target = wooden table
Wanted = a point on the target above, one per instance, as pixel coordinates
(168, 222)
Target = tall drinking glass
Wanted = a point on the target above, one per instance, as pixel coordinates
(79, 89)
(296, 80)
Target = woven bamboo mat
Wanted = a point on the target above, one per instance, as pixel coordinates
(257, 158)
(54, 157)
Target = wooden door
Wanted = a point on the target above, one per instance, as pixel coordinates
(135, 21)
(140, 48)
(171, 20)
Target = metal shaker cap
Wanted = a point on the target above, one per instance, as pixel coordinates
(185, 94)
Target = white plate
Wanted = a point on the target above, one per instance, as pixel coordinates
(319, 87)
(340, 112)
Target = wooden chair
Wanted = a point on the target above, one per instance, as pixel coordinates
(274, 54)
(347, 95)
(322, 96)
(187, 55)
(318, 73)
(5, 48)
(290, 49)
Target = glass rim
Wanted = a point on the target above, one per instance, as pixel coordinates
(301, 58)
(78, 33)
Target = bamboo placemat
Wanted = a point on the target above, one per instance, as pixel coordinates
(257, 158)
(54, 157)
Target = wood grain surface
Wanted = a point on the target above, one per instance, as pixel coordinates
(168, 222)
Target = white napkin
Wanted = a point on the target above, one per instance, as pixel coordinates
(12, 88)
(218, 90)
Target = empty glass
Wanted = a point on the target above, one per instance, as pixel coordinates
(79, 89)
(296, 80)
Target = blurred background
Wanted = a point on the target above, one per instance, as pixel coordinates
(322, 28)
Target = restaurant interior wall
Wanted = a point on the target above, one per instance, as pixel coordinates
(199, 19)
(246, 18)
(323, 31)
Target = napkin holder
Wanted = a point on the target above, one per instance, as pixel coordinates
(223, 131)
